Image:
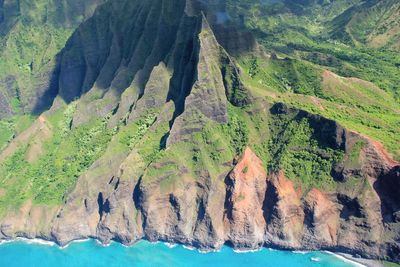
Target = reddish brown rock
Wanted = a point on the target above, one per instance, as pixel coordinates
(322, 218)
(246, 186)
(283, 212)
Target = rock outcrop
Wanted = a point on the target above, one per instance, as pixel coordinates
(284, 213)
(246, 188)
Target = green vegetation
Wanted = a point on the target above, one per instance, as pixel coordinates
(237, 130)
(355, 104)
(47, 178)
(304, 50)
(294, 150)
(12, 127)
(354, 157)
(286, 30)
(132, 138)
(287, 75)
(235, 91)
(30, 50)
(245, 170)
(31, 35)
(6, 133)
(211, 149)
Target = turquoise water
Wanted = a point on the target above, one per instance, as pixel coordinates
(145, 254)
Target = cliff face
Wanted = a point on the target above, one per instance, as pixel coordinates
(193, 156)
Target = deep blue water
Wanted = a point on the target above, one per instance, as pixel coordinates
(144, 254)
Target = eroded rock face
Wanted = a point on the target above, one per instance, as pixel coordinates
(29, 221)
(191, 80)
(321, 218)
(246, 209)
(283, 212)
(246, 187)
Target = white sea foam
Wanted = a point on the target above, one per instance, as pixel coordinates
(189, 247)
(247, 250)
(315, 259)
(170, 245)
(345, 259)
(2, 242)
(205, 251)
(103, 244)
(301, 252)
(81, 240)
(75, 241)
(36, 241)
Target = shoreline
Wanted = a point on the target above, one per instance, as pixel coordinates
(359, 262)
(350, 259)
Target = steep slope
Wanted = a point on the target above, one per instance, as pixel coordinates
(320, 34)
(160, 129)
(32, 33)
(374, 23)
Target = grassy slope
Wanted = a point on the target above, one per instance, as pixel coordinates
(355, 104)
(64, 155)
(376, 25)
(67, 153)
(297, 75)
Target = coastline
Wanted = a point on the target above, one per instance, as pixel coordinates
(359, 261)
(356, 261)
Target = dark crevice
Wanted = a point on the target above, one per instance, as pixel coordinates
(308, 217)
(351, 207)
(185, 69)
(115, 110)
(387, 187)
(137, 195)
(100, 204)
(115, 182)
(137, 198)
(201, 211)
(202, 198)
(104, 206)
(174, 202)
(45, 101)
(163, 141)
(86, 204)
(270, 201)
(228, 205)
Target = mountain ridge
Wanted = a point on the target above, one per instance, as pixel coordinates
(161, 129)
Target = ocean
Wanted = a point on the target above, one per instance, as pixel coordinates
(145, 254)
